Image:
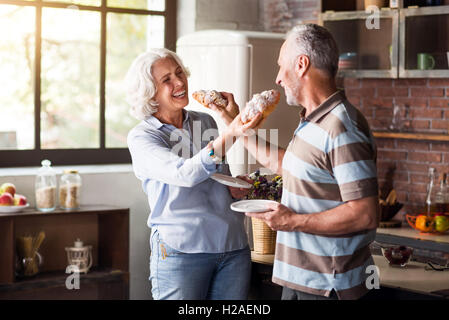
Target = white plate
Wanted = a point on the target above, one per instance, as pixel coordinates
(8, 209)
(231, 181)
(252, 205)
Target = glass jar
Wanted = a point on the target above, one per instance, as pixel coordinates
(29, 266)
(45, 187)
(69, 190)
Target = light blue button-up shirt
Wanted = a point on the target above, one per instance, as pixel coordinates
(190, 211)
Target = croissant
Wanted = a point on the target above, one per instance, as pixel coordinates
(206, 97)
(264, 102)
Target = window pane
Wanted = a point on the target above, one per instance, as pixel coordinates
(70, 78)
(128, 36)
(156, 31)
(82, 2)
(17, 34)
(156, 5)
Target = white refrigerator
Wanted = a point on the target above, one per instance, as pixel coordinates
(243, 63)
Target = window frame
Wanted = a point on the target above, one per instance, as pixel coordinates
(101, 155)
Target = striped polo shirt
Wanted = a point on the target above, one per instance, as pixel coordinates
(330, 160)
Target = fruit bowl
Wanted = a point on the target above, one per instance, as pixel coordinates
(397, 255)
(436, 223)
(10, 209)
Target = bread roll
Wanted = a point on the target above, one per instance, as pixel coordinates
(206, 97)
(264, 102)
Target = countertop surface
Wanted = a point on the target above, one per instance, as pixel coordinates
(407, 232)
(412, 277)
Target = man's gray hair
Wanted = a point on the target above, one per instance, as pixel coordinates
(141, 87)
(317, 43)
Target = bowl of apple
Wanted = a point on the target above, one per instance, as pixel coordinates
(10, 201)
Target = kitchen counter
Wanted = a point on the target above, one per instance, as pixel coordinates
(407, 236)
(413, 277)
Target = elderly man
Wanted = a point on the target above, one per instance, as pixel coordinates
(329, 209)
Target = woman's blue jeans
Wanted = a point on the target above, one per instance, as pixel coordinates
(198, 276)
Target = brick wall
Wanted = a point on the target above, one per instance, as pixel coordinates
(424, 107)
(282, 15)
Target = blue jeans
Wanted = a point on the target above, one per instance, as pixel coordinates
(198, 276)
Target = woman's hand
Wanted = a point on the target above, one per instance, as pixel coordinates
(237, 128)
(240, 193)
(230, 111)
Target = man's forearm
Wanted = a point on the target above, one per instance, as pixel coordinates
(267, 154)
(353, 216)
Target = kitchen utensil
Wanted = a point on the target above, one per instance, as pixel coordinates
(397, 256)
(411, 220)
(425, 61)
(10, 209)
(348, 60)
(45, 187)
(230, 181)
(79, 256)
(29, 260)
(389, 211)
(257, 205)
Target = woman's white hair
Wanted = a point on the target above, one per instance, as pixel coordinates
(140, 84)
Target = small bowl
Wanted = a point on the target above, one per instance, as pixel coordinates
(398, 256)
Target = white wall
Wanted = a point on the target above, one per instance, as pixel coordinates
(114, 185)
(195, 15)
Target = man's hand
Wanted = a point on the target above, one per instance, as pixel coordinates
(279, 218)
(230, 111)
(240, 193)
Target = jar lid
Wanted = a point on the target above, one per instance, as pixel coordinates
(70, 171)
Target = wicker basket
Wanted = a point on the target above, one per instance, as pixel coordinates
(263, 237)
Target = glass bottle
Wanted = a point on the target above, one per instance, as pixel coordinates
(45, 187)
(69, 190)
(429, 197)
(440, 196)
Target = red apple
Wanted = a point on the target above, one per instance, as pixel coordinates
(20, 200)
(6, 199)
(8, 187)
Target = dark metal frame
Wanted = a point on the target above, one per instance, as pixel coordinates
(101, 155)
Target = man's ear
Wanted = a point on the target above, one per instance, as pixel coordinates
(302, 65)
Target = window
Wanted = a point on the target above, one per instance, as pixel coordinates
(62, 65)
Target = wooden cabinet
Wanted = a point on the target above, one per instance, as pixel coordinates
(390, 49)
(424, 30)
(374, 51)
(106, 228)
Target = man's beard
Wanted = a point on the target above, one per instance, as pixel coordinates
(290, 97)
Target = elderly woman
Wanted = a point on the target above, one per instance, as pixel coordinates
(199, 247)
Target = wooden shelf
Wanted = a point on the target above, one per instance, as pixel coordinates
(411, 136)
(105, 228)
(96, 284)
